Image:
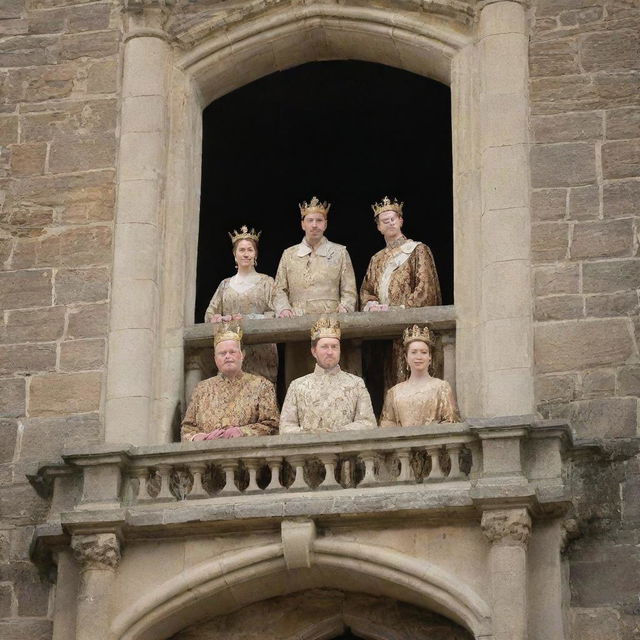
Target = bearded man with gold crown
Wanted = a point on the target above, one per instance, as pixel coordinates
(328, 399)
(314, 276)
(233, 403)
(403, 274)
(247, 294)
(422, 399)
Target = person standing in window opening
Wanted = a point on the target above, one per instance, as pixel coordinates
(315, 276)
(247, 295)
(233, 403)
(422, 399)
(328, 399)
(403, 274)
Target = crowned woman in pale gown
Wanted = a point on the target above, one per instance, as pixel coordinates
(247, 295)
(422, 399)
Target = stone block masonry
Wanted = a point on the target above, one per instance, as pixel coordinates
(59, 106)
(585, 156)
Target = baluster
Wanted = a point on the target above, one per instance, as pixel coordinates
(299, 484)
(164, 471)
(197, 490)
(141, 494)
(369, 479)
(252, 467)
(454, 455)
(406, 475)
(229, 468)
(329, 462)
(436, 470)
(274, 484)
(475, 448)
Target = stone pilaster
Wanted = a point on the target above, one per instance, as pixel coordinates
(507, 334)
(98, 556)
(138, 231)
(508, 532)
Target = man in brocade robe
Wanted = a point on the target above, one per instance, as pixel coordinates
(314, 276)
(403, 274)
(233, 403)
(328, 399)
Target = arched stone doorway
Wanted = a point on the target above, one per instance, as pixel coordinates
(174, 68)
(320, 614)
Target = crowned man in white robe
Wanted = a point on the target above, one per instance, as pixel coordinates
(328, 399)
(314, 276)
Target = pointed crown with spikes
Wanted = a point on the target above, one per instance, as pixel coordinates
(315, 206)
(411, 334)
(227, 332)
(325, 327)
(245, 234)
(387, 205)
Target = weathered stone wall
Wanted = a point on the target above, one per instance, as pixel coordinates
(585, 178)
(59, 71)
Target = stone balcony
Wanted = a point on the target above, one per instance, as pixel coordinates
(455, 470)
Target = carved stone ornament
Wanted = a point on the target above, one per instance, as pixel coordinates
(510, 527)
(96, 551)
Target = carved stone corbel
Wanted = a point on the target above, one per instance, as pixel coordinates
(100, 551)
(509, 527)
(297, 542)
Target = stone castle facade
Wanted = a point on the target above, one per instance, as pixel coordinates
(520, 523)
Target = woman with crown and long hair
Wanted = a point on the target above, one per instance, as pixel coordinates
(247, 294)
(422, 399)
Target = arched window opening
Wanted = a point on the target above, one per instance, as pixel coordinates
(349, 132)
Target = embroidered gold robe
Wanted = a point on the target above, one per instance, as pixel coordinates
(403, 273)
(252, 302)
(410, 405)
(325, 401)
(248, 402)
(317, 281)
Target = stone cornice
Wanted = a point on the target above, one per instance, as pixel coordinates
(509, 527)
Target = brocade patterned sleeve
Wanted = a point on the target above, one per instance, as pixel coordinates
(289, 418)
(426, 290)
(388, 416)
(367, 289)
(190, 421)
(268, 414)
(348, 290)
(215, 304)
(280, 296)
(363, 417)
(448, 405)
(268, 292)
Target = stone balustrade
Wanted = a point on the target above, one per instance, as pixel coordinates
(423, 468)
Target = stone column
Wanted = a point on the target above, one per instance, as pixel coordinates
(508, 533)
(98, 556)
(507, 337)
(138, 229)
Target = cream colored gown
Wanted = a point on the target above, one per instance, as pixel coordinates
(410, 405)
(250, 297)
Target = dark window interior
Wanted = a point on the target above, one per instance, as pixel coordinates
(348, 132)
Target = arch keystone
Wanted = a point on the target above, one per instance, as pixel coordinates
(297, 542)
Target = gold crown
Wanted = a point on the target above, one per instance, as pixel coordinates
(387, 205)
(227, 332)
(411, 334)
(315, 206)
(325, 328)
(245, 234)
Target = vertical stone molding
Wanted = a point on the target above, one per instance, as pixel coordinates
(98, 556)
(138, 230)
(506, 321)
(508, 532)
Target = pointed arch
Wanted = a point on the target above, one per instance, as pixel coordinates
(235, 579)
